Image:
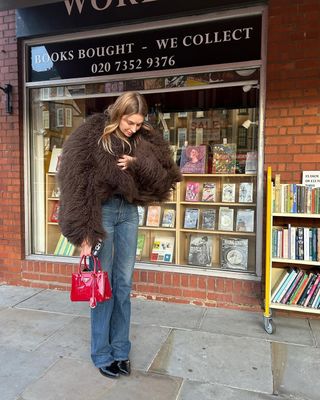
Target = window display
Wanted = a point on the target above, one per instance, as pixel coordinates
(210, 219)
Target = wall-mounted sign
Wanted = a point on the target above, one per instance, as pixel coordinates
(216, 42)
(75, 15)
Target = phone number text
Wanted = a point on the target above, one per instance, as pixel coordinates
(133, 65)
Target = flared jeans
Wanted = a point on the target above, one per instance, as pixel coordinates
(110, 320)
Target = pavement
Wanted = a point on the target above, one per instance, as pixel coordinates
(179, 352)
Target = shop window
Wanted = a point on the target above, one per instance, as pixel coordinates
(210, 220)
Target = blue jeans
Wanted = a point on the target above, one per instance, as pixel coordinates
(110, 320)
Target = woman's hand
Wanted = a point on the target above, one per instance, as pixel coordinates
(124, 161)
(86, 249)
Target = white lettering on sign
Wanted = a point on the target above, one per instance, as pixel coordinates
(102, 6)
(209, 38)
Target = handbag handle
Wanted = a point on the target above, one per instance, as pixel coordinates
(96, 264)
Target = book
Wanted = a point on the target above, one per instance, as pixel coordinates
(192, 191)
(251, 162)
(224, 158)
(228, 193)
(142, 215)
(278, 284)
(234, 253)
(140, 246)
(209, 192)
(191, 218)
(168, 218)
(193, 159)
(225, 219)
(54, 217)
(301, 289)
(312, 278)
(64, 247)
(297, 289)
(286, 286)
(208, 220)
(245, 221)
(312, 289)
(246, 192)
(200, 250)
(163, 249)
(292, 287)
(55, 160)
(153, 216)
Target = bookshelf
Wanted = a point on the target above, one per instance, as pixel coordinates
(292, 250)
(183, 235)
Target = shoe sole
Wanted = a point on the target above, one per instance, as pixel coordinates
(111, 376)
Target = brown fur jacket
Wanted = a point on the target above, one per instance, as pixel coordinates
(88, 176)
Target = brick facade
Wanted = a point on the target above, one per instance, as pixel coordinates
(292, 143)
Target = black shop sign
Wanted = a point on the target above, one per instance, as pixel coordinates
(216, 42)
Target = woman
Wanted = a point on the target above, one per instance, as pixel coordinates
(110, 164)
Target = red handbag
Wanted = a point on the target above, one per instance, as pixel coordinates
(92, 286)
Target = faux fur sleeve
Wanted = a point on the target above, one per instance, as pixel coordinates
(155, 171)
(80, 207)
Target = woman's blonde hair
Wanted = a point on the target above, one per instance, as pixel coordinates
(128, 103)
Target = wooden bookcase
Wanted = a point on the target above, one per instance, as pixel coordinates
(181, 235)
(275, 266)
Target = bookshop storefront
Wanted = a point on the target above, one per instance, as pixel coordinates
(204, 80)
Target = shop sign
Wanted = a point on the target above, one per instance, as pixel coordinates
(76, 15)
(215, 42)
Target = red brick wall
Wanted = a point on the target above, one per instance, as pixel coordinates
(292, 126)
(11, 190)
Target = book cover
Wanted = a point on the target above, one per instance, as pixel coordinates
(193, 159)
(163, 249)
(278, 284)
(168, 218)
(191, 218)
(301, 289)
(228, 193)
(234, 253)
(251, 162)
(209, 192)
(192, 191)
(142, 215)
(200, 251)
(246, 192)
(297, 289)
(224, 158)
(208, 219)
(225, 219)
(313, 287)
(64, 247)
(140, 246)
(292, 287)
(55, 160)
(245, 221)
(54, 217)
(305, 293)
(153, 216)
(286, 286)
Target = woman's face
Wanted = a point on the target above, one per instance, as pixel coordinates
(129, 124)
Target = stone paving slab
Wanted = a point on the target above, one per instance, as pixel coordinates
(20, 368)
(250, 324)
(25, 329)
(147, 312)
(12, 295)
(243, 363)
(56, 301)
(69, 379)
(73, 341)
(296, 370)
(192, 390)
